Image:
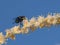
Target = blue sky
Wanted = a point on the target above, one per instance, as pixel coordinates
(10, 9)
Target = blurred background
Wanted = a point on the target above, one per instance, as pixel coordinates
(10, 9)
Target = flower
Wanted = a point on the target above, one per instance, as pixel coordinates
(32, 27)
(26, 23)
(16, 30)
(9, 34)
(32, 21)
(24, 30)
(36, 24)
(41, 25)
(40, 19)
(58, 18)
(2, 38)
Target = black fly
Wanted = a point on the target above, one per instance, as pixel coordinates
(20, 19)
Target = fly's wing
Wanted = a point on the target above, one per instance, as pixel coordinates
(12, 36)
